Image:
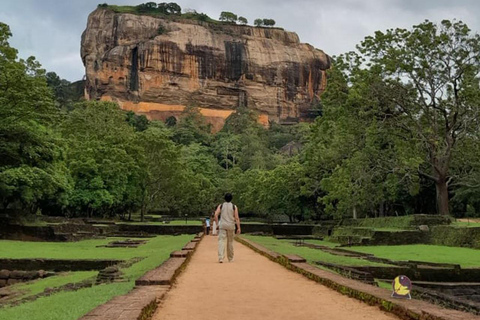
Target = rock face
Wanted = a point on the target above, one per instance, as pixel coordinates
(157, 66)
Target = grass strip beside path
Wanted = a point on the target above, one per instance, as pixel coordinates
(287, 247)
(466, 257)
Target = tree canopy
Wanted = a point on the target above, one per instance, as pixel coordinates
(228, 17)
(397, 134)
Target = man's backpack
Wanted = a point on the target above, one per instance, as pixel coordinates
(232, 205)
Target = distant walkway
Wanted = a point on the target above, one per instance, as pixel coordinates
(253, 287)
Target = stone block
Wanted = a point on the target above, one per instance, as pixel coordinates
(4, 274)
(17, 274)
(162, 275)
(293, 258)
(13, 281)
(190, 246)
(180, 254)
(30, 275)
(424, 228)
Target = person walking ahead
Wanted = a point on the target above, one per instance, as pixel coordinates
(229, 214)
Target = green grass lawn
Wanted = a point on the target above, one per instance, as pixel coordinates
(287, 247)
(419, 252)
(323, 243)
(384, 285)
(468, 224)
(35, 287)
(72, 305)
(86, 249)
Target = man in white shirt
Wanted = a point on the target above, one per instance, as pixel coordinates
(229, 217)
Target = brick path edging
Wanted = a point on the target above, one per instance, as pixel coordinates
(143, 300)
(405, 309)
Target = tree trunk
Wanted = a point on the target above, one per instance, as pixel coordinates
(381, 210)
(142, 212)
(355, 212)
(442, 196)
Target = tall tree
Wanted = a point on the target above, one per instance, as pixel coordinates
(192, 127)
(228, 17)
(268, 22)
(102, 159)
(432, 76)
(161, 169)
(258, 22)
(356, 162)
(30, 151)
(242, 20)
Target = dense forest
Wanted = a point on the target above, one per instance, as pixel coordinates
(398, 134)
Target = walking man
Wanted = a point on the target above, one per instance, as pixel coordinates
(229, 217)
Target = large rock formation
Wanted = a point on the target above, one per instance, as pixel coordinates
(157, 66)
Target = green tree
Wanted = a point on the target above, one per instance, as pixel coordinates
(254, 151)
(268, 22)
(147, 7)
(171, 121)
(227, 149)
(170, 8)
(356, 162)
(139, 122)
(30, 151)
(431, 75)
(258, 22)
(192, 128)
(228, 17)
(281, 192)
(242, 20)
(63, 90)
(161, 169)
(200, 182)
(102, 159)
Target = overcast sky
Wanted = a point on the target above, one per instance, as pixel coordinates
(50, 30)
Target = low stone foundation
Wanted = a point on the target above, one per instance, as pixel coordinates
(8, 277)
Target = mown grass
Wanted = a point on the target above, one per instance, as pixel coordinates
(323, 243)
(66, 305)
(86, 249)
(384, 285)
(468, 224)
(72, 305)
(312, 255)
(38, 286)
(419, 252)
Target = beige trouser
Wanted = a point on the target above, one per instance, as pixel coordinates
(225, 237)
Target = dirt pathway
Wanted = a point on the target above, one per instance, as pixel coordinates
(253, 287)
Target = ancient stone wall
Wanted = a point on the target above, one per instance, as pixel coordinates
(10, 277)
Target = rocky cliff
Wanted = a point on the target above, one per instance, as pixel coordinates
(157, 66)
